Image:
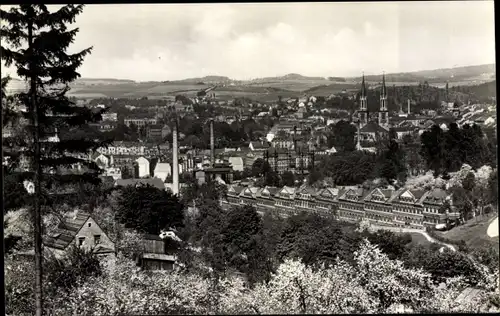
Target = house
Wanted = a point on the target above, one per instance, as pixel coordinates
(162, 170)
(113, 172)
(154, 182)
(154, 132)
(104, 126)
(404, 130)
(143, 167)
(80, 230)
(258, 146)
(110, 117)
(101, 160)
(237, 163)
(139, 122)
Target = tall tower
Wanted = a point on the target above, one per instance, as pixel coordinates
(383, 114)
(363, 106)
(175, 161)
(212, 144)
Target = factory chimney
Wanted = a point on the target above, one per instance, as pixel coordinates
(409, 107)
(212, 144)
(175, 161)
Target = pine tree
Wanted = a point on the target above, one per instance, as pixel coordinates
(35, 41)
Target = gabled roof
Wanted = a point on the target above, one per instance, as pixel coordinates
(329, 193)
(372, 127)
(358, 191)
(249, 192)
(234, 189)
(290, 191)
(307, 189)
(66, 231)
(382, 195)
(259, 145)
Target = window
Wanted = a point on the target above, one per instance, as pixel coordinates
(90, 224)
(81, 240)
(97, 239)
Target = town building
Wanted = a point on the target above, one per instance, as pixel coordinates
(80, 230)
(384, 207)
(113, 117)
(140, 122)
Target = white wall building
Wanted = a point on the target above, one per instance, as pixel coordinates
(143, 165)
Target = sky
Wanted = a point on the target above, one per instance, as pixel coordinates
(159, 42)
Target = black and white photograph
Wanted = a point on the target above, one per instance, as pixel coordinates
(249, 158)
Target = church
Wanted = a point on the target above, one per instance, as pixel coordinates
(370, 132)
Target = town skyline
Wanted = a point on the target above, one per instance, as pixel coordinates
(249, 41)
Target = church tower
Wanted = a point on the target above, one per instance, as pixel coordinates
(383, 114)
(363, 106)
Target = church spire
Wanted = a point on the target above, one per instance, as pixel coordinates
(383, 115)
(363, 86)
(363, 107)
(384, 88)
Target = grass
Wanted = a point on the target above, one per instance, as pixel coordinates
(474, 233)
(419, 239)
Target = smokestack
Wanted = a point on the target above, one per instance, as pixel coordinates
(212, 144)
(175, 161)
(409, 106)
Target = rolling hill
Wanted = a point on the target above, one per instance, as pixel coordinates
(269, 88)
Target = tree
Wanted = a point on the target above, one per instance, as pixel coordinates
(343, 136)
(37, 40)
(159, 209)
(288, 178)
(260, 167)
(393, 163)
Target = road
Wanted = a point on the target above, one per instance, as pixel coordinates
(413, 230)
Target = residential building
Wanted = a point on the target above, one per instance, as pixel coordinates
(384, 207)
(113, 117)
(258, 146)
(140, 122)
(104, 126)
(154, 132)
(143, 167)
(237, 163)
(162, 170)
(80, 230)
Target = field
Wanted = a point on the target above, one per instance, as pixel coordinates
(474, 233)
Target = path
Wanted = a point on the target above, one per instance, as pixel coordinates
(493, 228)
(414, 230)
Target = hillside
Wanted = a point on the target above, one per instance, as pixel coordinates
(478, 78)
(457, 74)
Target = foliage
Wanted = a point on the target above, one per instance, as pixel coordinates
(148, 209)
(446, 151)
(62, 274)
(347, 168)
(126, 290)
(49, 69)
(393, 163)
(342, 137)
(288, 179)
